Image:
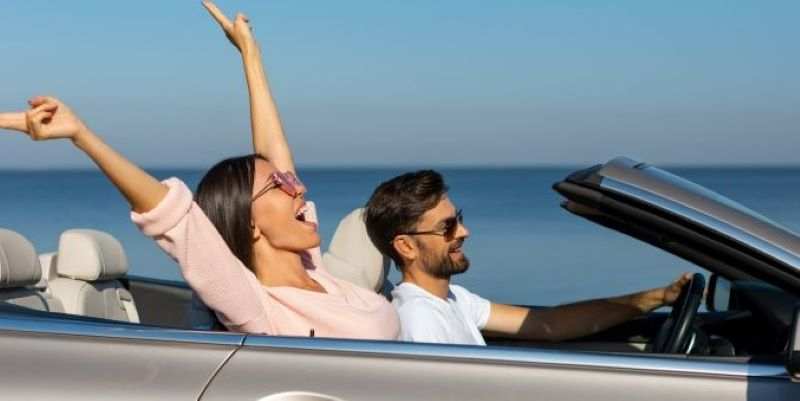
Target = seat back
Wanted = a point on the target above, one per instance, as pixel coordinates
(352, 257)
(88, 264)
(19, 273)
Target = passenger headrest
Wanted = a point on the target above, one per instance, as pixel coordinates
(352, 257)
(19, 265)
(90, 255)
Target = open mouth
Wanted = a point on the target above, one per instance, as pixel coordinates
(300, 215)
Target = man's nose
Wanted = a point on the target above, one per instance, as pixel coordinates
(463, 231)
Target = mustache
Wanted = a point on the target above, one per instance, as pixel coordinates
(457, 245)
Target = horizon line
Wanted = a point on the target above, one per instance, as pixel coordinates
(420, 167)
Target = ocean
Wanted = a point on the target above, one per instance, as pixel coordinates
(523, 247)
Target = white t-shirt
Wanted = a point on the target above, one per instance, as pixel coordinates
(430, 319)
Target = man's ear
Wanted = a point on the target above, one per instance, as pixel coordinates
(405, 247)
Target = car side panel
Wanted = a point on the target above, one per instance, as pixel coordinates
(46, 366)
(253, 373)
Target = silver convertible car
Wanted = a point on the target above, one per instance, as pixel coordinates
(74, 325)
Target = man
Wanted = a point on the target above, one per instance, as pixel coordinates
(411, 219)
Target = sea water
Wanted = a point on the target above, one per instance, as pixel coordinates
(523, 247)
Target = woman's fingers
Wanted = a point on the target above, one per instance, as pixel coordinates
(215, 12)
(44, 106)
(13, 121)
(39, 100)
(36, 119)
(242, 24)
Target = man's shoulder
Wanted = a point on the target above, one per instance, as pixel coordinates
(460, 291)
(412, 301)
(407, 292)
(415, 304)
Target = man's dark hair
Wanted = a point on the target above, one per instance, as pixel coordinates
(224, 194)
(397, 205)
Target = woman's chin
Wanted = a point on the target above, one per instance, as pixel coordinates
(300, 243)
(314, 241)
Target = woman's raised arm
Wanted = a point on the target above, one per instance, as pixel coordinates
(268, 137)
(48, 118)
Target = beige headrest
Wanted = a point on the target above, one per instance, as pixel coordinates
(19, 265)
(352, 257)
(90, 255)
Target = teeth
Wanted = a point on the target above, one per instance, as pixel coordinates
(302, 211)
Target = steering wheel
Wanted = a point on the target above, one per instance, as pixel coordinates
(673, 335)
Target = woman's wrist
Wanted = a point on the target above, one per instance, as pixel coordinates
(82, 138)
(250, 50)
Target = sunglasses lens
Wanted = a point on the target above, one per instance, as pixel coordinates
(288, 183)
(452, 226)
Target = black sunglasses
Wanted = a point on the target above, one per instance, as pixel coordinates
(449, 229)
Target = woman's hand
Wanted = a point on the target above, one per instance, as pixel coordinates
(47, 118)
(238, 31)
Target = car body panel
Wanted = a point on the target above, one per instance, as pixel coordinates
(365, 370)
(50, 359)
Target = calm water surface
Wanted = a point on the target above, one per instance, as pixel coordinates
(524, 248)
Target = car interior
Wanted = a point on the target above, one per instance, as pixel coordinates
(86, 279)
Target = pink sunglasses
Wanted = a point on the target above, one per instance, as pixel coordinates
(287, 182)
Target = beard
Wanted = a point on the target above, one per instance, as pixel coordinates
(444, 265)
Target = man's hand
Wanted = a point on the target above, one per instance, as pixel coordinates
(47, 118)
(673, 290)
(238, 32)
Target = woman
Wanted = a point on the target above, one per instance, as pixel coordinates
(249, 244)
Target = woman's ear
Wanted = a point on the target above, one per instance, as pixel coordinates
(256, 232)
(405, 247)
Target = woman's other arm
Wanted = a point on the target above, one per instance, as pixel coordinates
(48, 118)
(268, 136)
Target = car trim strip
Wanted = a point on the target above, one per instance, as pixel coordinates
(111, 330)
(562, 358)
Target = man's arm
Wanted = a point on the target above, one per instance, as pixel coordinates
(579, 319)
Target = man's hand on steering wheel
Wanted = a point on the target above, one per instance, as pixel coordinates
(673, 290)
(675, 334)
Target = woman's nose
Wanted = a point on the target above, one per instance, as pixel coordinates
(300, 189)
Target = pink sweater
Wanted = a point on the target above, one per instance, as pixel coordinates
(240, 301)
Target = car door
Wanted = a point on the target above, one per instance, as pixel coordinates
(292, 368)
(52, 358)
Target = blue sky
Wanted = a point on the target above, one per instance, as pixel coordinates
(417, 82)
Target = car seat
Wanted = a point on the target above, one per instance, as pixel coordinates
(88, 264)
(351, 255)
(19, 272)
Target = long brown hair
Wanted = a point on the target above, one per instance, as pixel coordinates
(224, 194)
